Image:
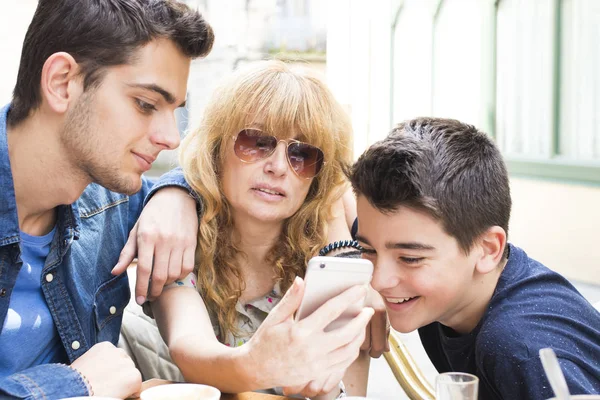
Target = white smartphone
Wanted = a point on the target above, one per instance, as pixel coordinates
(326, 277)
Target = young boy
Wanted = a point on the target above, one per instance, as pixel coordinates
(433, 210)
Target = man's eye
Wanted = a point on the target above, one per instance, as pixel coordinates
(145, 107)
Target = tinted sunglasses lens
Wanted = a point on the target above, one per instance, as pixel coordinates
(305, 159)
(251, 145)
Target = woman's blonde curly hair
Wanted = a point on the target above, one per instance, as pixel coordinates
(286, 99)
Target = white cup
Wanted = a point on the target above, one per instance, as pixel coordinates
(456, 386)
(582, 397)
(181, 391)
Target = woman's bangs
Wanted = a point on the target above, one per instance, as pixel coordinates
(292, 111)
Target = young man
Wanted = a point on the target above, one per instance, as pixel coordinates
(94, 103)
(433, 211)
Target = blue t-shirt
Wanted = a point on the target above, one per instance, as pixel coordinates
(531, 308)
(29, 336)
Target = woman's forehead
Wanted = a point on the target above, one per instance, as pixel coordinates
(280, 131)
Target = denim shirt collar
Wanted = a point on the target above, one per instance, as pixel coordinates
(68, 215)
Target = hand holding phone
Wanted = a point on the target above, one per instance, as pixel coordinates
(327, 277)
(291, 353)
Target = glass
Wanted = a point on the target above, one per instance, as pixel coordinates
(456, 386)
(252, 145)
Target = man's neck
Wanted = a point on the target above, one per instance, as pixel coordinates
(43, 177)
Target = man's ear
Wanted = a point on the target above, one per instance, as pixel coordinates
(60, 82)
(492, 243)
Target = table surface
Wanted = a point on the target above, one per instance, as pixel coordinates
(251, 396)
(224, 396)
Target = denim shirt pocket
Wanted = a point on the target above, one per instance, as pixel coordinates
(110, 301)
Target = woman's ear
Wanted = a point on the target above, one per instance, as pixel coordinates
(60, 81)
(492, 243)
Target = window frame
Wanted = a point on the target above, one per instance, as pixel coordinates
(555, 166)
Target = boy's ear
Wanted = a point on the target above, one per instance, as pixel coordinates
(60, 82)
(492, 243)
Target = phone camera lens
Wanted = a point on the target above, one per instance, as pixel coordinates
(322, 265)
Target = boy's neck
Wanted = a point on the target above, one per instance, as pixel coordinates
(42, 175)
(475, 302)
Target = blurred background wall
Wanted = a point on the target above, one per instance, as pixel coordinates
(525, 71)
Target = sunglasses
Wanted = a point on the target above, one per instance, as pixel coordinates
(252, 145)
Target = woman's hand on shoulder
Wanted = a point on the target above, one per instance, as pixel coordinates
(164, 239)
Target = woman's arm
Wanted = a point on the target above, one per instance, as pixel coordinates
(357, 375)
(282, 352)
(185, 326)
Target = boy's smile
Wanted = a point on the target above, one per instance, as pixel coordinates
(420, 270)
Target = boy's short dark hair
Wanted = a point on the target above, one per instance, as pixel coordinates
(443, 167)
(100, 34)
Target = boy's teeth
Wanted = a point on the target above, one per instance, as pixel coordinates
(398, 300)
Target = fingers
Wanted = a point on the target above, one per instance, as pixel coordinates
(291, 390)
(344, 356)
(353, 329)
(160, 270)
(288, 304)
(333, 383)
(378, 332)
(175, 265)
(187, 264)
(128, 253)
(334, 307)
(144, 267)
(366, 345)
(330, 382)
(314, 388)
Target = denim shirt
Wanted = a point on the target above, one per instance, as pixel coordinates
(86, 301)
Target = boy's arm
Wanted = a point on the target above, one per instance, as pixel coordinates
(48, 381)
(513, 378)
(164, 236)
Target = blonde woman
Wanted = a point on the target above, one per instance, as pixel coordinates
(266, 163)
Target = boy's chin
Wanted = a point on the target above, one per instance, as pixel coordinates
(402, 326)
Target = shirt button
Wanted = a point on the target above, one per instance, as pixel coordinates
(49, 278)
(2, 292)
(75, 345)
(112, 310)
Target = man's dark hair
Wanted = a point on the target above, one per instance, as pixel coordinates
(443, 167)
(100, 34)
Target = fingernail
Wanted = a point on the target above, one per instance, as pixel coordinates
(362, 291)
(296, 284)
(140, 300)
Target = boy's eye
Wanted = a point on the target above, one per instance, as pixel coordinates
(367, 253)
(411, 260)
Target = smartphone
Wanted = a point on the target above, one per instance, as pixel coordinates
(326, 277)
